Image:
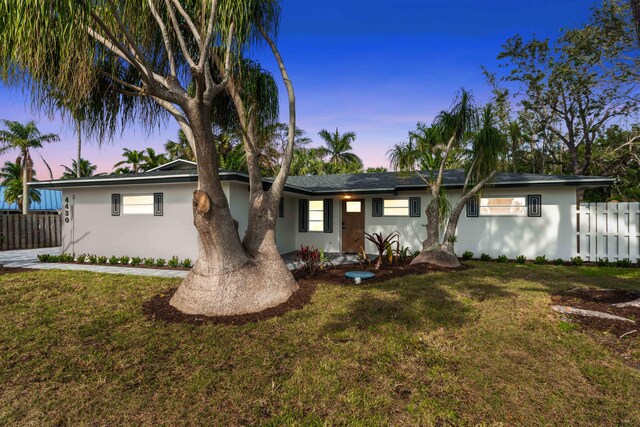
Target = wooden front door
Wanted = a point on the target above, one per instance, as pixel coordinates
(352, 225)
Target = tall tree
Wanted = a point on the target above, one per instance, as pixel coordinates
(570, 90)
(179, 149)
(26, 138)
(463, 128)
(12, 179)
(133, 158)
(173, 58)
(84, 169)
(337, 148)
(151, 159)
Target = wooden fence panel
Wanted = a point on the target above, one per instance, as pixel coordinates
(39, 230)
(609, 230)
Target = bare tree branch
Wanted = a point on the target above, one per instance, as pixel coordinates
(176, 28)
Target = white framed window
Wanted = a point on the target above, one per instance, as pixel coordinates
(316, 215)
(395, 207)
(503, 206)
(354, 207)
(138, 205)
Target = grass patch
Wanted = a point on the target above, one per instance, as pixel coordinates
(474, 346)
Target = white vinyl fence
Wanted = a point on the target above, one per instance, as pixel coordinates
(608, 230)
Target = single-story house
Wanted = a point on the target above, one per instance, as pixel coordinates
(149, 214)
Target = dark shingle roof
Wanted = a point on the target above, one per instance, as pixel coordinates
(363, 183)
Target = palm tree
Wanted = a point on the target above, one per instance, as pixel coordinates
(306, 161)
(25, 138)
(134, 158)
(338, 149)
(438, 146)
(179, 149)
(77, 170)
(11, 174)
(376, 169)
(152, 159)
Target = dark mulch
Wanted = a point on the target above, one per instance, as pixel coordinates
(601, 300)
(158, 307)
(607, 332)
(9, 270)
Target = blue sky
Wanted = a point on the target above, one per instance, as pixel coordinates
(373, 67)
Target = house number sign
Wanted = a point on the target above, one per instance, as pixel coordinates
(67, 213)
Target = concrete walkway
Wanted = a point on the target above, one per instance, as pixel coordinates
(28, 258)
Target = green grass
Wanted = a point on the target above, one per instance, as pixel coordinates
(475, 346)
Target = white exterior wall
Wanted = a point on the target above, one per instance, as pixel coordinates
(553, 234)
(93, 230)
(97, 232)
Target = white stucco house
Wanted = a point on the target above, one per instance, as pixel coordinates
(149, 214)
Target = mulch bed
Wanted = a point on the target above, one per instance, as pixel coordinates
(10, 270)
(610, 333)
(158, 307)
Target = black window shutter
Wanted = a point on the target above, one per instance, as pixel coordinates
(534, 205)
(473, 208)
(281, 208)
(328, 215)
(414, 206)
(115, 205)
(303, 215)
(158, 204)
(376, 208)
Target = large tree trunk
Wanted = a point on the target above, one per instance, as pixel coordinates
(25, 183)
(79, 154)
(229, 278)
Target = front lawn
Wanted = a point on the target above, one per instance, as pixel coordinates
(478, 345)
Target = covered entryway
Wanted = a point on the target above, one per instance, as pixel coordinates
(352, 225)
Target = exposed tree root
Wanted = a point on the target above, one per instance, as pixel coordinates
(589, 313)
(634, 303)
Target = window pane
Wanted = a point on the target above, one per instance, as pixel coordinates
(396, 211)
(316, 205)
(354, 206)
(137, 200)
(316, 215)
(137, 209)
(316, 226)
(503, 206)
(137, 205)
(396, 203)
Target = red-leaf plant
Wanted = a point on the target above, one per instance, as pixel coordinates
(381, 243)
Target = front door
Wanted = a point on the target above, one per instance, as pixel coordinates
(352, 225)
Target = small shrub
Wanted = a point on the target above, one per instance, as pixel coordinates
(149, 262)
(521, 259)
(577, 260)
(558, 261)
(324, 260)
(54, 258)
(186, 263)
(503, 258)
(92, 259)
(160, 262)
(382, 242)
(65, 257)
(81, 258)
(485, 257)
(124, 260)
(404, 254)
(625, 263)
(363, 259)
(541, 259)
(114, 260)
(308, 259)
(102, 260)
(174, 262)
(603, 262)
(467, 255)
(44, 257)
(136, 260)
